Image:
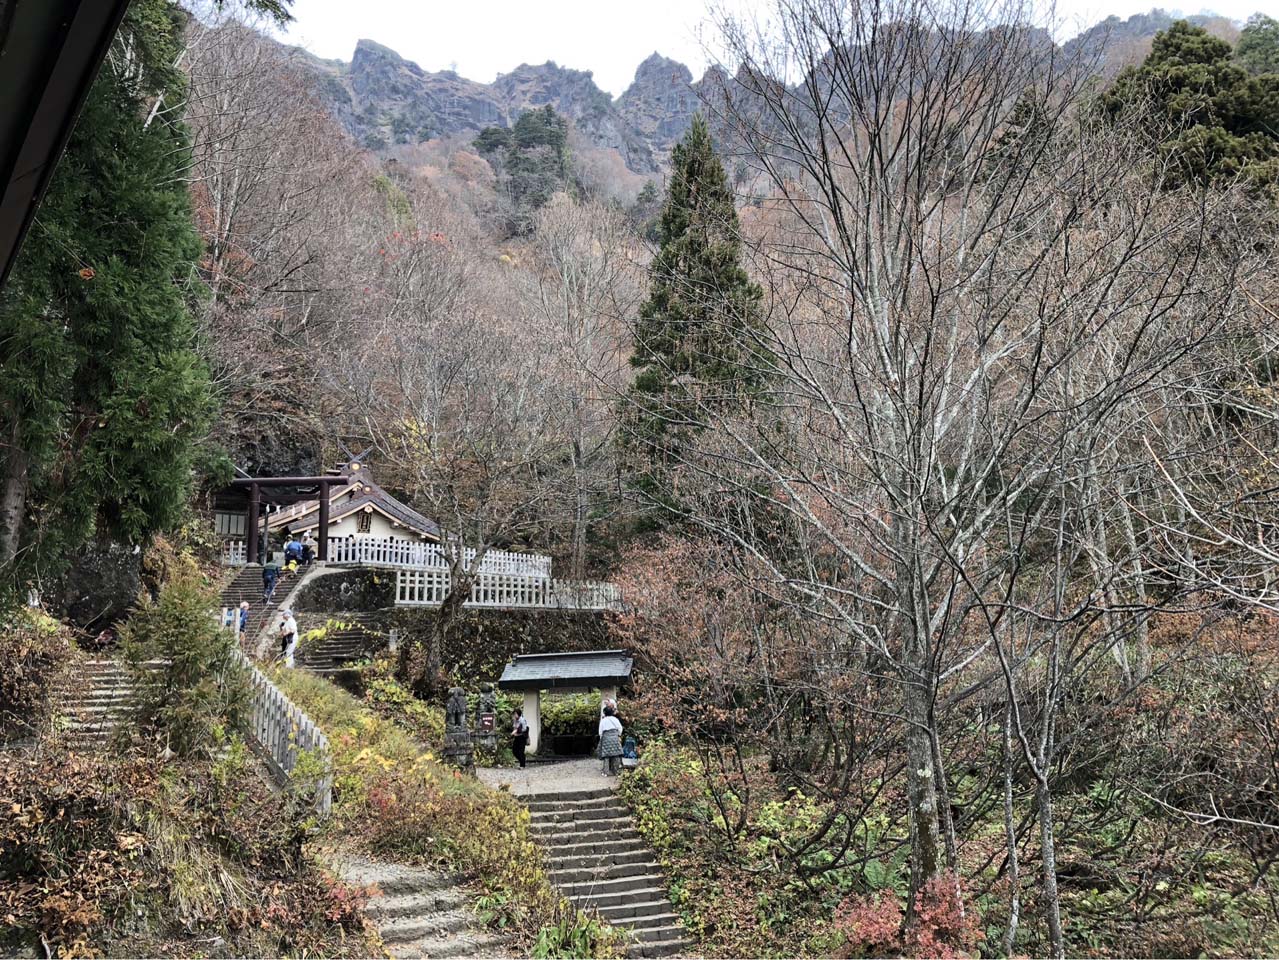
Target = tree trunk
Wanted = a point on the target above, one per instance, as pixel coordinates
(579, 520)
(13, 497)
(925, 828)
(1052, 902)
(1141, 642)
(427, 683)
(1103, 570)
(1010, 833)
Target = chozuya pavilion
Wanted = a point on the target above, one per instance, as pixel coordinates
(604, 670)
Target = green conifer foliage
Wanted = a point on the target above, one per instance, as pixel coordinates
(104, 397)
(1217, 124)
(697, 338)
(1258, 47)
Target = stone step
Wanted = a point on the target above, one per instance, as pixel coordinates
(599, 829)
(608, 798)
(99, 691)
(634, 892)
(92, 710)
(393, 880)
(639, 881)
(570, 795)
(459, 945)
(594, 855)
(600, 811)
(107, 697)
(663, 948)
(112, 666)
(434, 925)
(627, 910)
(418, 903)
(671, 931)
(555, 839)
(649, 920)
(611, 871)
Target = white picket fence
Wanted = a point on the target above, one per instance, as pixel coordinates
(429, 587)
(235, 553)
(390, 552)
(284, 732)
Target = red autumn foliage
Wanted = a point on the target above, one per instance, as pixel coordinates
(942, 925)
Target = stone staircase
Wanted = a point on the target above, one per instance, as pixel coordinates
(597, 859)
(347, 638)
(247, 585)
(420, 913)
(94, 697)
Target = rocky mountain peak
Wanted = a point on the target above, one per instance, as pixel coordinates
(385, 100)
(657, 69)
(660, 102)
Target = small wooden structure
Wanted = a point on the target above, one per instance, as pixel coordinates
(603, 670)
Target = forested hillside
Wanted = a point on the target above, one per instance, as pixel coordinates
(912, 376)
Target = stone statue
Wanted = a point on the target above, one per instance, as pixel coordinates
(455, 712)
(488, 698)
(459, 745)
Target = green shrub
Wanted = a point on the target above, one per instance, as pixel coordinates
(200, 692)
(389, 698)
(574, 715)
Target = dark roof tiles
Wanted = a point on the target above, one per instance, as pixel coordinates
(544, 671)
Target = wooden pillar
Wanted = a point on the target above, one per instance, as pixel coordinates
(533, 715)
(251, 528)
(323, 545)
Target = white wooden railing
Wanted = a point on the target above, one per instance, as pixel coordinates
(429, 587)
(284, 732)
(390, 552)
(234, 553)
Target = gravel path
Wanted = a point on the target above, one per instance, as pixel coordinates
(562, 775)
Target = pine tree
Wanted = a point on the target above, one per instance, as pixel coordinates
(104, 399)
(1258, 47)
(697, 337)
(1216, 123)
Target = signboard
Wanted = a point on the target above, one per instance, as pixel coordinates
(487, 723)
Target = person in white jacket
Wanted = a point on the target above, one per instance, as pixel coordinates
(288, 637)
(611, 742)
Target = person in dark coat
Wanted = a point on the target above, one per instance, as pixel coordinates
(519, 735)
(270, 574)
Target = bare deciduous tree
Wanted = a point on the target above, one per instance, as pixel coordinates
(974, 282)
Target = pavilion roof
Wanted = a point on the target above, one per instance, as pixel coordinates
(546, 671)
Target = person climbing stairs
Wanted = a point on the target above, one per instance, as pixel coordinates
(246, 585)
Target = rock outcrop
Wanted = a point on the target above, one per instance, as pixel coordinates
(386, 101)
(660, 103)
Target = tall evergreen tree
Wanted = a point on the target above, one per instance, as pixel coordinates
(1217, 124)
(104, 399)
(1258, 47)
(696, 339)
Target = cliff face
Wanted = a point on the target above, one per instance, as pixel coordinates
(660, 102)
(385, 100)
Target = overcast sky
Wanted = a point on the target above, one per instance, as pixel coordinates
(482, 38)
